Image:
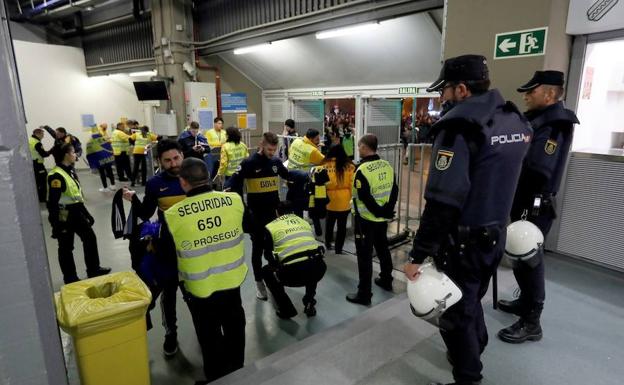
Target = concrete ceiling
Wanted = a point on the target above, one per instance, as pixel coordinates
(401, 50)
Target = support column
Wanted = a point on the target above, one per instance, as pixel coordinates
(172, 20)
(30, 344)
(471, 27)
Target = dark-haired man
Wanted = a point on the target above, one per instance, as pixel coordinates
(207, 229)
(477, 155)
(38, 154)
(120, 140)
(68, 216)
(162, 191)
(304, 153)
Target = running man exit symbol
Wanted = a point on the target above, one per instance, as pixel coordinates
(530, 42)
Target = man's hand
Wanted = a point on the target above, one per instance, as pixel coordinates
(57, 231)
(412, 271)
(128, 194)
(198, 148)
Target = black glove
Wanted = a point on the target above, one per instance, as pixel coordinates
(88, 217)
(57, 231)
(388, 211)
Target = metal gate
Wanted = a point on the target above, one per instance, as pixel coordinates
(309, 114)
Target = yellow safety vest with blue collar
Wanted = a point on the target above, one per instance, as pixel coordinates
(32, 142)
(73, 192)
(207, 230)
(380, 177)
(235, 155)
(291, 235)
(299, 154)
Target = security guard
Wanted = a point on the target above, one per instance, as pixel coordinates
(68, 216)
(294, 258)
(162, 191)
(260, 173)
(142, 141)
(207, 228)
(539, 182)
(304, 153)
(477, 155)
(61, 137)
(233, 152)
(120, 141)
(375, 193)
(216, 138)
(38, 153)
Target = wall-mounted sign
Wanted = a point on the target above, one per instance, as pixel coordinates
(407, 90)
(234, 103)
(203, 102)
(88, 120)
(318, 93)
(591, 16)
(529, 42)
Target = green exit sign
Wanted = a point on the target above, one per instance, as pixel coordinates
(407, 90)
(318, 93)
(530, 42)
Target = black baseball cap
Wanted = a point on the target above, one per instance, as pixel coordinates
(553, 78)
(461, 68)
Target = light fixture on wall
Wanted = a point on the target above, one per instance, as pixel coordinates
(253, 48)
(350, 30)
(143, 73)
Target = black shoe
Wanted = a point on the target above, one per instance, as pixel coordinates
(457, 383)
(132, 184)
(511, 307)
(449, 359)
(359, 299)
(310, 310)
(521, 331)
(338, 252)
(123, 179)
(100, 271)
(71, 279)
(386, 285)
(328, 246)
(203, 382)
(170, 347)
(286, 314)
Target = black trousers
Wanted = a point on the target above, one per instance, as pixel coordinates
(66, 250)
(167, 291)
(220, 327)
(333, 218)
(106, 171)
(259, 218)
(41, 180)
(140, 162)
(299, 274)
(462, 325)
(122, 162)
(370, 234)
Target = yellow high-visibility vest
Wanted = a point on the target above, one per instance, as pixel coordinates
(291, 235)
(380, 177)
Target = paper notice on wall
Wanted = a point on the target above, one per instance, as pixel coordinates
(88, 121)
(251, 121)
(203, 102)
(206, 118)
(233, 102)
(241, 120)
(588, 79)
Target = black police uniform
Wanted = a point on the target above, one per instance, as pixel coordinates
(259, 173)
(540, 178)
(68, 220)
(41, 173)
(477, 156)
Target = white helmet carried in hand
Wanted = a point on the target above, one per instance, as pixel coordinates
(432, 293)
(525, 243)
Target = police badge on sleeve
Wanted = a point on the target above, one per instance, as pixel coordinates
(550, 147)
(443, 159)
(274, 169)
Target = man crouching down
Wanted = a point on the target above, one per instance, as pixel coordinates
(294, 258)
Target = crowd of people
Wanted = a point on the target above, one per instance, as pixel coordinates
(210, 190)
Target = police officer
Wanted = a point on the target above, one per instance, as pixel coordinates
(374, 196)
(539, 182)
(477, 155)
(38, 154)
(207, 228)
(260, 173)
(162, 191)
(120, 140)
(304, 153)
(68, 216)
(294, 258)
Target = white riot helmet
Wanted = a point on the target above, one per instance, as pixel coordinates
(525, 243)
(432, 293)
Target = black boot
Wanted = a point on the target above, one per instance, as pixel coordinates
(511, 307)
(521, 331)
(360, 299)
(100, 271)
(386, 285)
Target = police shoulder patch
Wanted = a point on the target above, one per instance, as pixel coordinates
(443, 159)
(56, 183)
(550, 147)
(274, 169)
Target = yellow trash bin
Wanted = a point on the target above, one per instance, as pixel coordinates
(106, 318)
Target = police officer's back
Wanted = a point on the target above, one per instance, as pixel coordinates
(539, 182)
(477, 155)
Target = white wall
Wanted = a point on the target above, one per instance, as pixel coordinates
(56, 91)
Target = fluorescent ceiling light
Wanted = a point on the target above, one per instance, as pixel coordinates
(347, 30)
(253, 48)
(143, 73)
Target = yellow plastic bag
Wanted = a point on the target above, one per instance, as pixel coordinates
(101, 303)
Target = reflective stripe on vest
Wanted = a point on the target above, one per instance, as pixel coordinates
(32, 142)
(262, 185)
(119, 143)
(72, 193)
(291, 235)
(380, 177)
(207, 232)
(236, 153)
(299, 155)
